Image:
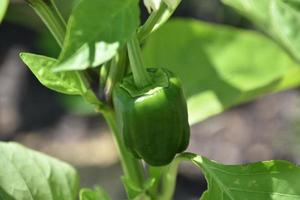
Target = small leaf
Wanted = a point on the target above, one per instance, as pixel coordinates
(27, 174)
(3, 7)
(96, 29)
(97, 194)
(268, 180)
(63, 82)
(69, 82)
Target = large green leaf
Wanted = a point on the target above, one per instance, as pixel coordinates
(96, 29)
(27, 174)
(268, 180)
(279, 18)
(3, 7)
(220, 66)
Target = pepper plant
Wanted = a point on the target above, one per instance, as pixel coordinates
(186, 72)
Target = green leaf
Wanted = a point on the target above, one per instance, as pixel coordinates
(30, 175)
(96, 194)
(279, 18)
(101, 52)
(3, 7)
(63, 82)
(96, 29)
(220, 66)
(268, 180)
(70, 82)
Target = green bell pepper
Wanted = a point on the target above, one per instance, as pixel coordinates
(153, 120)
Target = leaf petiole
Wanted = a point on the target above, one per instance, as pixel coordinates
(151, 23)
(156, 20)
(51, 18)
(140, 74)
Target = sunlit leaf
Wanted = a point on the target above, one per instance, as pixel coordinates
(268, 180)
(220, 66)
(278, 18)
(96, 29)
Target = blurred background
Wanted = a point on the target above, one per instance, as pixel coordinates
(268, 128)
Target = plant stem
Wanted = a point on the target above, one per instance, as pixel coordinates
(151, 22)
(169, 179)
(117, 71)
(51, 19)
(132, 167)
(155, 173)
(58, 12)
(103, 73)
(140, 74)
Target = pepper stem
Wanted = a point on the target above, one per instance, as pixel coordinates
(51, 18)
(116, 72)
(140, 74)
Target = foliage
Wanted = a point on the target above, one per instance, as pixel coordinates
(219, 66)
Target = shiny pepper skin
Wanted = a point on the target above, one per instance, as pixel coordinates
(153, 120)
